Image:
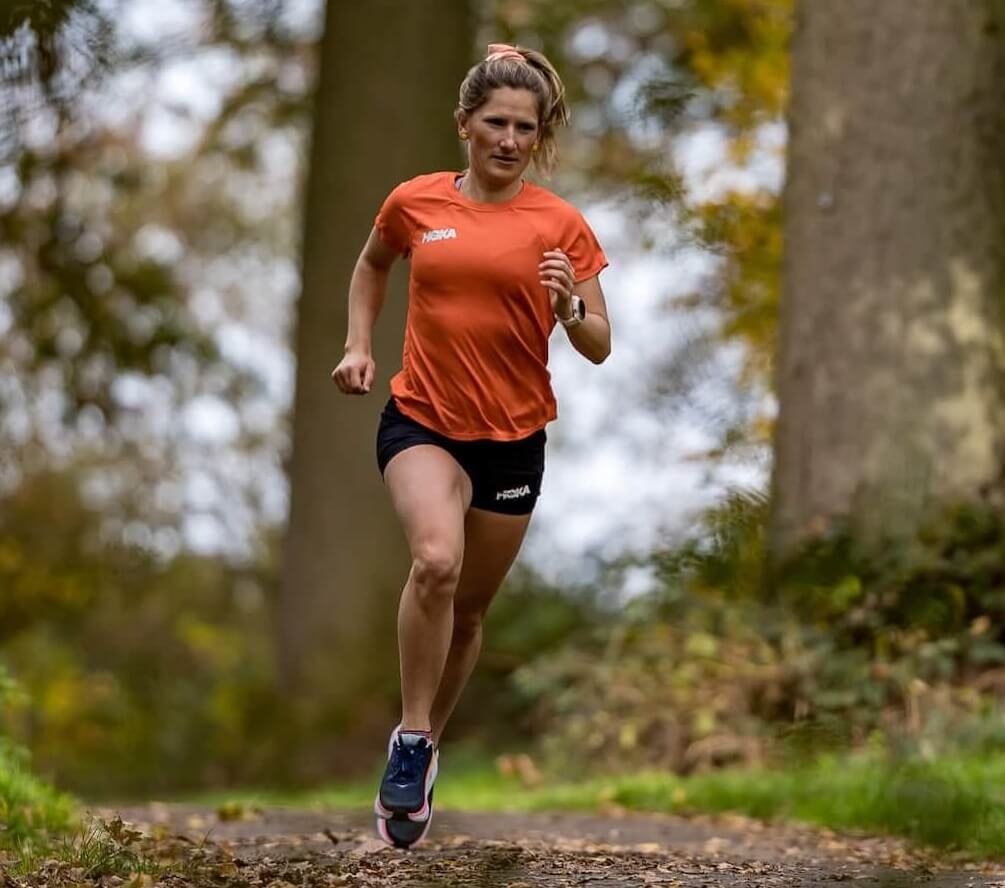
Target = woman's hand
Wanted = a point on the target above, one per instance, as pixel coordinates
(354, 373)
(558, 276)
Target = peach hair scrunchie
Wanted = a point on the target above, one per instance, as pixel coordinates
(503, 51)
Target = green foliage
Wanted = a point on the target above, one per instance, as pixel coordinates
(738, 51)
(943, 581)
(41, 568)
(88, 305)
(30, 809)
(745, 229)
(528, 619)
(682, 694)
(142, 674)
(732, 661)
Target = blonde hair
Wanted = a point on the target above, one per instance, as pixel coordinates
(534, 73)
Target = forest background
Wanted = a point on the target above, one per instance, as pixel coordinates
(772, 531)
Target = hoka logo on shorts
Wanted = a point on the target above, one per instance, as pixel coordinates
(513, 493)
(438, 234)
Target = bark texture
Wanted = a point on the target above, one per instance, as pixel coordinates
(891, 349)
(388, 80)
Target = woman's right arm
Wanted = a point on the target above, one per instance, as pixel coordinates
(354, 374)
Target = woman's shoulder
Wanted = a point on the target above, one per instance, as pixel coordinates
(541, 198)
(425, 183)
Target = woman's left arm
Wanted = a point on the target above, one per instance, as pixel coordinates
(592, 336)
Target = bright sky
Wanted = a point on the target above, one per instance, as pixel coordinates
(621, 474)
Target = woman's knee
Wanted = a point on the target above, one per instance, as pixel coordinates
(436, 570)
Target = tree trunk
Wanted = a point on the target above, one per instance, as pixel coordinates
(891, 340)
(387, 89)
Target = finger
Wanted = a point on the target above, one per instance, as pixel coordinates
(368, 373)
(563, 280)
(356, 379)
(555, 265)
(339, 381)
(558, 293)
(558, 283)
(558, 256)
(562, 273)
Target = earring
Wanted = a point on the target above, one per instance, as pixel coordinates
(464, 135)
(536, 146)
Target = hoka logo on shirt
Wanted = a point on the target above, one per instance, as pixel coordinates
(438, 234)
(513, 493)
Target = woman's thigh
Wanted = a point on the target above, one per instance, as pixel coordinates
(491, 543)
(430, 493)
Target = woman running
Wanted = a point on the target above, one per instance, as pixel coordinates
(496, 262)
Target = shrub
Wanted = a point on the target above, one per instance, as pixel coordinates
(729, 663)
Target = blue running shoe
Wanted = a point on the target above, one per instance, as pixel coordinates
(408, 779)
(401, 832)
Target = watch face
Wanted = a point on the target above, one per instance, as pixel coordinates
(579, 307)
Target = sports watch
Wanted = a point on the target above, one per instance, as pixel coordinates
(578, 313)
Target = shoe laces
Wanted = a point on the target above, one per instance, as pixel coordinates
(408, 763)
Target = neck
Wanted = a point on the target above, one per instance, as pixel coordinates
(477, 189)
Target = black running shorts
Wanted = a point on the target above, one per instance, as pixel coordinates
(505, 475)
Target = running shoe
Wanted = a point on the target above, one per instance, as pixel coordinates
(401, 832)
(408, 778)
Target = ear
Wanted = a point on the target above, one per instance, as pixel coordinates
(462, 120)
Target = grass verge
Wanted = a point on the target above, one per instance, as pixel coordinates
(30, 809)
(949, 803)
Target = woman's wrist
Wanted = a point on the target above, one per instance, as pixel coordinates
(572, 313)
(563, 309)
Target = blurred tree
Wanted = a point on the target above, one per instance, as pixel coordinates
(49, 53)
(132, 278)
(388, 80)
(892, 351)
(135, 286)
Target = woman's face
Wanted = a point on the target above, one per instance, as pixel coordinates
(501, 135)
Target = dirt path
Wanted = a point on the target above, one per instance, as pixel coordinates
(281, 848)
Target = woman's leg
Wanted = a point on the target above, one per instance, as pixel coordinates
(491, 544)
(430, 493)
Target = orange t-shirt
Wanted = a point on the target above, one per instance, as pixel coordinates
(476, 339)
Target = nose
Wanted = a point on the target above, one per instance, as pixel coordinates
(509, 140)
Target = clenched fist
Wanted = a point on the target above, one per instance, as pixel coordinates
(354, 373)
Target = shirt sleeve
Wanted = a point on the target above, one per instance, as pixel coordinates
(583, 249)
(393, 223)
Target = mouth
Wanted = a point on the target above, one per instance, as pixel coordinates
(506, 161)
